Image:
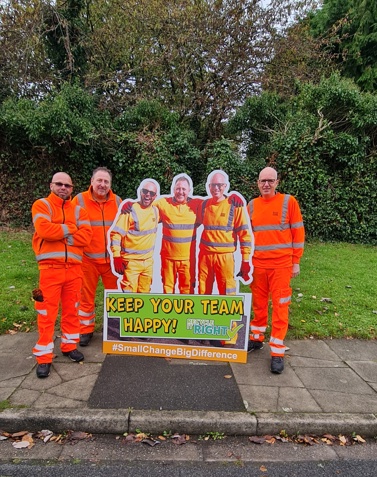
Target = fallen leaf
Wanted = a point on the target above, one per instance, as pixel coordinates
(228, 376)
(150, 442)
(263, 468)
(326, 300)
(343, 440)
(19, 434)
(181, 439)
(257, 440)
(358, 438)
(20, 444)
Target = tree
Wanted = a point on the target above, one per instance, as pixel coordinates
(298, 57)
(350, 28)
(323, 142)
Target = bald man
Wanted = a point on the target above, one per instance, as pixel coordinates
(279, 237)
(133, 237)
(62, 231)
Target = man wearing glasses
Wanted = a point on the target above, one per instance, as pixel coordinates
(133, 237)
(279, 236)
(224, 224)
(62, 231)
(102, 206)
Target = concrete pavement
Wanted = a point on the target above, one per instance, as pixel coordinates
(327, 387)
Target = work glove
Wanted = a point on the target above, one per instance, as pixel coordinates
(119, 265)
(244, 271)
(127, 206)
(236, 200)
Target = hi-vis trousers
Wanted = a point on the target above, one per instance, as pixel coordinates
(275, 283)
(92, 271)
(60, 284)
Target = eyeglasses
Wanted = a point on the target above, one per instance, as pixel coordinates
(267, 181)
(60, 184)
(217, 184)
(150, 192)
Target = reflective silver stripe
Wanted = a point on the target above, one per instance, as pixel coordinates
(285, 208)
(70, 240)
(119, 231)
(47, 203)
(42, 312)
(218, 227)
(297, 225)
(118, 200)
(298, 244)
(228, 291)
(273, 247)
(46, 256)
(39, 216)
(71, 336)
(180, 226)
(241, 227)
(141, 233)
(65, 230)
(83, 222)
(41, 350)
(250, 207)
(136, 252)
(95, 255)
(99, 223)
(262, 329)
(87, 314)
(168, 238)
(276, 341)
(47, 347)
(256, 336)
(67, 341)
(280, 351)
(218, 244)
(116, 243)
(136, 220)
(245, 244)
(266, 228)
(285, 299)
(87, 322)
(80, 200)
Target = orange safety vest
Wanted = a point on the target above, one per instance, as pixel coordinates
(62, 230)
(223, 224)
(179, 224)
(102, 216)
(278, 229)
(133, 236)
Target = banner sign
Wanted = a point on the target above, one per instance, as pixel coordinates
(180, 260)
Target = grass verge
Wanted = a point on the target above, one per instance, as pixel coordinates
(335, 295)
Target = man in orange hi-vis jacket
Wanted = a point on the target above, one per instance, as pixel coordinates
(279, 236)
(62, 231)
(102, 206)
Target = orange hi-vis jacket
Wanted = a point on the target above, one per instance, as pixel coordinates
(223, 224)
(134, 234)
(62, 230)
(179, 224)
(279, 232)
(101, 215)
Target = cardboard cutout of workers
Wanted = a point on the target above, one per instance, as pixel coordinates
(180, 259)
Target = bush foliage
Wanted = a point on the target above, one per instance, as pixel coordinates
(323, 143)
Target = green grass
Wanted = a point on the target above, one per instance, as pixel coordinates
(344, 273)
